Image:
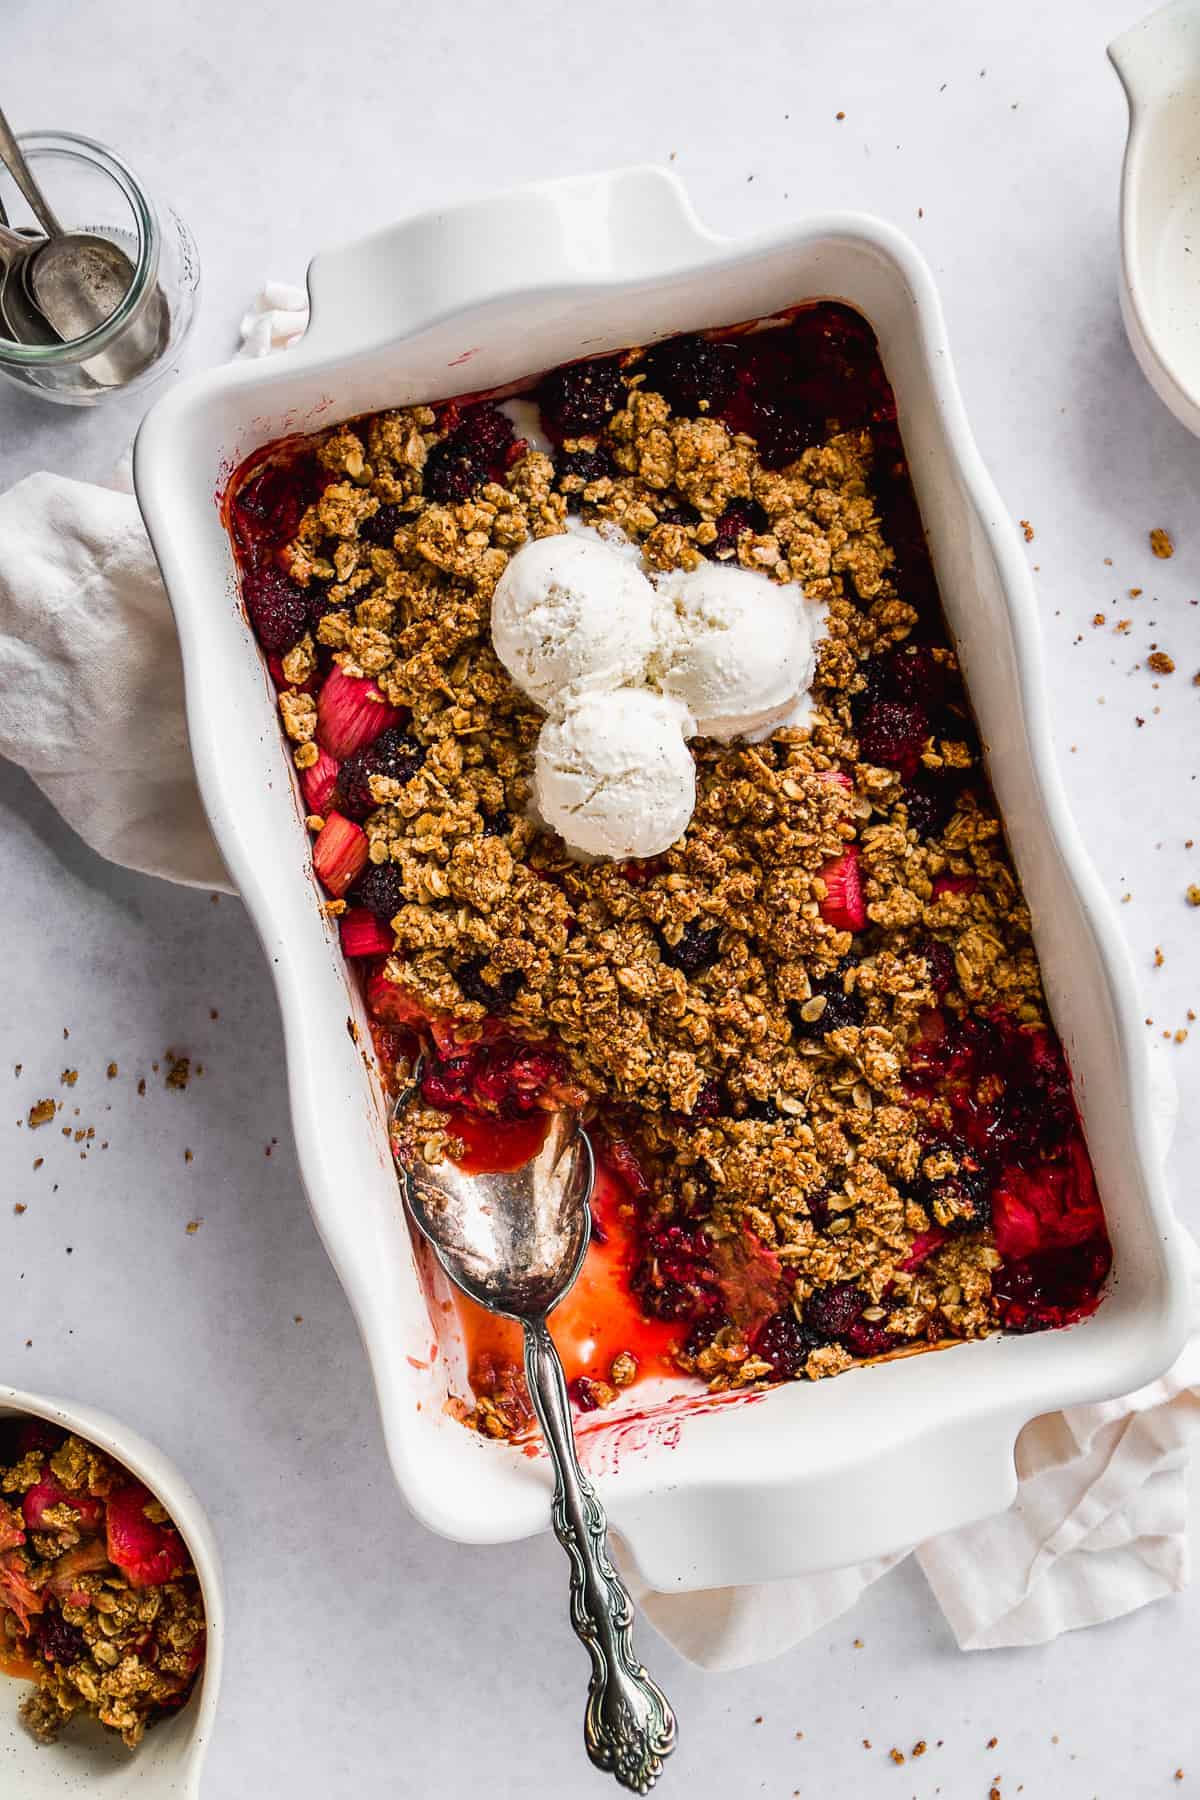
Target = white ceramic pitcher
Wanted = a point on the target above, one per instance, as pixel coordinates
(1158, 62)
(88, 1761)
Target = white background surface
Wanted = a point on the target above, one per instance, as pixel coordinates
(366, 1658)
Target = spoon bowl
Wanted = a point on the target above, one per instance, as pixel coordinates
(514, 1241)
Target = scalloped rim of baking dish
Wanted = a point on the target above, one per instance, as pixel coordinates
(805, 1476)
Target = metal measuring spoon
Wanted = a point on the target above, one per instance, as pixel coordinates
(76, 280)
(22, 319)
(515, 1243)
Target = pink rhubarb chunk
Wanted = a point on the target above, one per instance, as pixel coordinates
(351, 711)
(339, 853)
(148, 1554)
(843, 905)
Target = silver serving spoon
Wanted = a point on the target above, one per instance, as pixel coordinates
(515, 1243)
(77, 280)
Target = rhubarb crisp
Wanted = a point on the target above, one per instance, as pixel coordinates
(833, 1120)
(100, 1606)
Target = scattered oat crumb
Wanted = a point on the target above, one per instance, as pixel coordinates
(112, 1071)
(179, 1070)
(1159, 958)
(1027, 531)
(38, 1161)
(1126, 898)
(994, 1793)
(187, 1156)
(1135, 593)
(799, 1734)
(66, 1033)
(142, 1085)
(920, 1747)
(297, 1318)
(1161, 663)
(43, 1112)
(897, 1756)
(1108, 562)
(1161, 543)
(867, 1744)
(858, 1643)
(992, 1742)
(1193, 899)
(17, 1067)
(215, 898)
(1099, 619)
(759, 1719)
(69, 1077)
(18, 1207)
(213, 1013)
(1181, 1035)
(1122, 625)
(840, 115)
(193, 1226)
(1179, 1774)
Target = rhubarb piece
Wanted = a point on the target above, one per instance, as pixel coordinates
(923, 1246)
(319, 783)
(16, 1591)
(365, 934)
(351, 711)
(843, 905)
(1050, 1207)
(339, 853)
(393, 1004)
(751, 1278)
(147, 1553)
(49, 1493)
(12, 1530)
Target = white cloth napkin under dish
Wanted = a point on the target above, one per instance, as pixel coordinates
(91, 704)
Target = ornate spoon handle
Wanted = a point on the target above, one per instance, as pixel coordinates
(629, 1726)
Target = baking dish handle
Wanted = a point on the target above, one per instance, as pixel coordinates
(628, 225)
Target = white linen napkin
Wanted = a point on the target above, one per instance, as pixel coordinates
(91, 704)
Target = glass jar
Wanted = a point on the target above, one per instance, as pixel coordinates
(91, 189)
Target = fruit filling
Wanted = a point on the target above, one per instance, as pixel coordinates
(100, 1606)
(832, 1117)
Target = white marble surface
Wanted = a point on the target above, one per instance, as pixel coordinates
(365, 1657)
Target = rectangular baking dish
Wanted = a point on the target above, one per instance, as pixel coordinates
(705, 1492)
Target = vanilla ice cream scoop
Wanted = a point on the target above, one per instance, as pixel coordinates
(614, 776)
(570, 616)
(739, 651)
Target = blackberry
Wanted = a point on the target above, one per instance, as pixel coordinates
(692, 371)
(831, 1311)
(392, 753)
(583, 465)
(892, 734)
(765, 1111)
(382, 526)
(496, 824)
(869, 1337)
(709, 1103)
(277, 606)
(487, 432)
(784, 435)
(739, 516)
(495, 996)
(939, 960)
(818, 1207)
(785, 1343)
(929, 802)
(381, 888)
(451, 471)
(580, 399)
(970, 1187)
(697, 949)
(840, 1009)
(58, 1641)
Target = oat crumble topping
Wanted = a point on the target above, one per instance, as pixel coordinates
(774, 1076)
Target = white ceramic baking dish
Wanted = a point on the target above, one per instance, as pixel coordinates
(89, 1763)
(705, 1493)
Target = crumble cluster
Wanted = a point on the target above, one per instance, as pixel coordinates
(752, 1052)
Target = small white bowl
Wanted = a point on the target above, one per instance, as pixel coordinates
(1158, 62)
(87, 1760)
